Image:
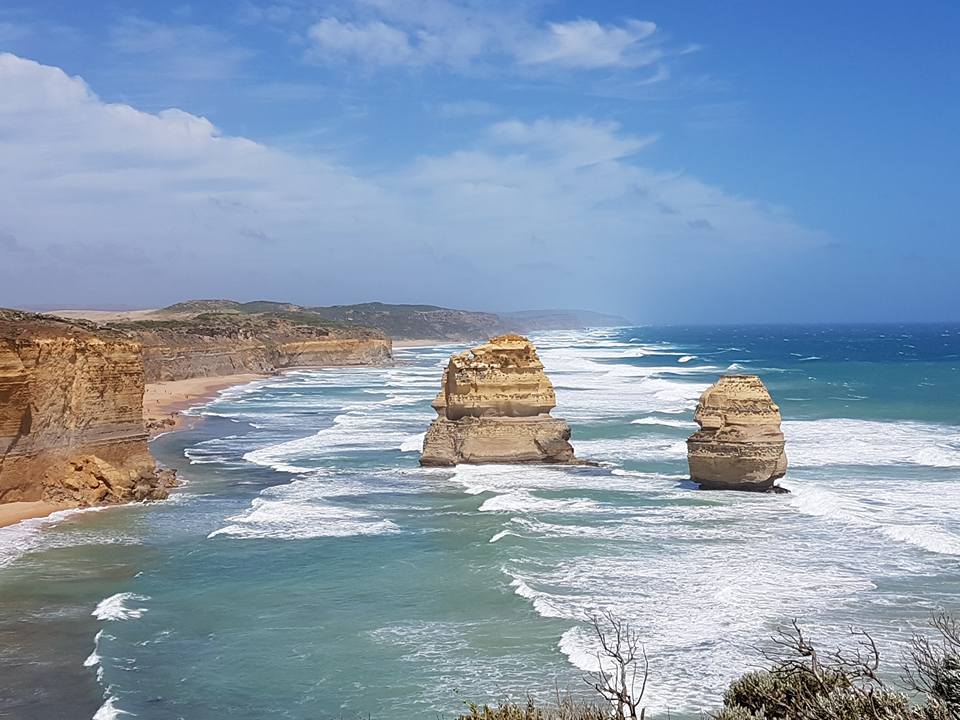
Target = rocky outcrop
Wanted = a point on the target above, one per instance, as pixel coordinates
(493, 407)
(739, 445)
(71, 415)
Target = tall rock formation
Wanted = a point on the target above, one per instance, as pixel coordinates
(493, 407)
(739, 445)
(71, 415)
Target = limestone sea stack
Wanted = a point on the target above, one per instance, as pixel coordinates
(739, 445)
(494, 407)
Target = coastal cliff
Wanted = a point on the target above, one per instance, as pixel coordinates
(493, 406)
(739, 445)
(220, 337)
(71, 415)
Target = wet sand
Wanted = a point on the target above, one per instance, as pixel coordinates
(14, 512)
(164, 401)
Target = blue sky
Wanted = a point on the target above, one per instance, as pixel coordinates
(674, 162)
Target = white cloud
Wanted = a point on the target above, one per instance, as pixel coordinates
(588, 44)
(190, 208)
(374, 42)
(460, 36)
(574, 142)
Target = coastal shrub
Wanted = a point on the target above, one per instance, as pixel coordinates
(566, 708)
(932, 667)
(773, 695)
(806, 683)
(803, 681)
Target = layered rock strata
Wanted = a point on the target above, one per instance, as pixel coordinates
(739, 445)
(71, 415)
(229, 345)
(493, 407)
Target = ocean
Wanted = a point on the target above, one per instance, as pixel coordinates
(310, 569)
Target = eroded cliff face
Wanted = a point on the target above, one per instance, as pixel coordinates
(231, 345)
(71, 415)
(739, 445)
(493, 407)
(501, 378)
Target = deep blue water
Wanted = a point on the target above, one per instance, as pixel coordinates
(310, 569)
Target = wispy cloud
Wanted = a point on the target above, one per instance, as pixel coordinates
(467, 108)
(11, 32)
(463, 36)
(181, 51)
(588, 44)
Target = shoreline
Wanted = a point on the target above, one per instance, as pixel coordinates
(426, 342)
(164, 402)
(15, 512)
(163, 405)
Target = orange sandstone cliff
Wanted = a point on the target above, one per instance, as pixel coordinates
(71, 415)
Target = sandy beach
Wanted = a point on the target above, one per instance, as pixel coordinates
(422, 343)
(164, 401)
(14, 512)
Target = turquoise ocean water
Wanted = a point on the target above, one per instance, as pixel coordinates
(310, 569)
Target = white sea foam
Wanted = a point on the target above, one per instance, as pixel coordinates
(668, 422)
(109, 710)
(686, 358)
(841, 441)
(505, 479)
(905, 511)
(28, 535)
(649, 447)
(308, 508)
(689, 599)
(414, 443)
(93, 659)
(118, 607)
(932, 538)
(522, 501)
(350, 432)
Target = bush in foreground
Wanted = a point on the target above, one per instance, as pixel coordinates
(803, 682)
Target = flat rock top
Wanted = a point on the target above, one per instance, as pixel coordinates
(19, 325)
(503, 350)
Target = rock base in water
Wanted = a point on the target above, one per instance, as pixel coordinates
(739, 445)
(542, 439)
(493, 407)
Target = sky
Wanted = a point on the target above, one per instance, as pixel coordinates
(673, 162)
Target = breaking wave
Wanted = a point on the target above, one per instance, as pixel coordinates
(116, 607)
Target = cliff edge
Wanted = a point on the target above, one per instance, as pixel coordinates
(71, 415)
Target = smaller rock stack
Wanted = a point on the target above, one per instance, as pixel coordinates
(739, 445)
(494, 406)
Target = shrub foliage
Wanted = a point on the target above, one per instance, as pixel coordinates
(803, 681)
